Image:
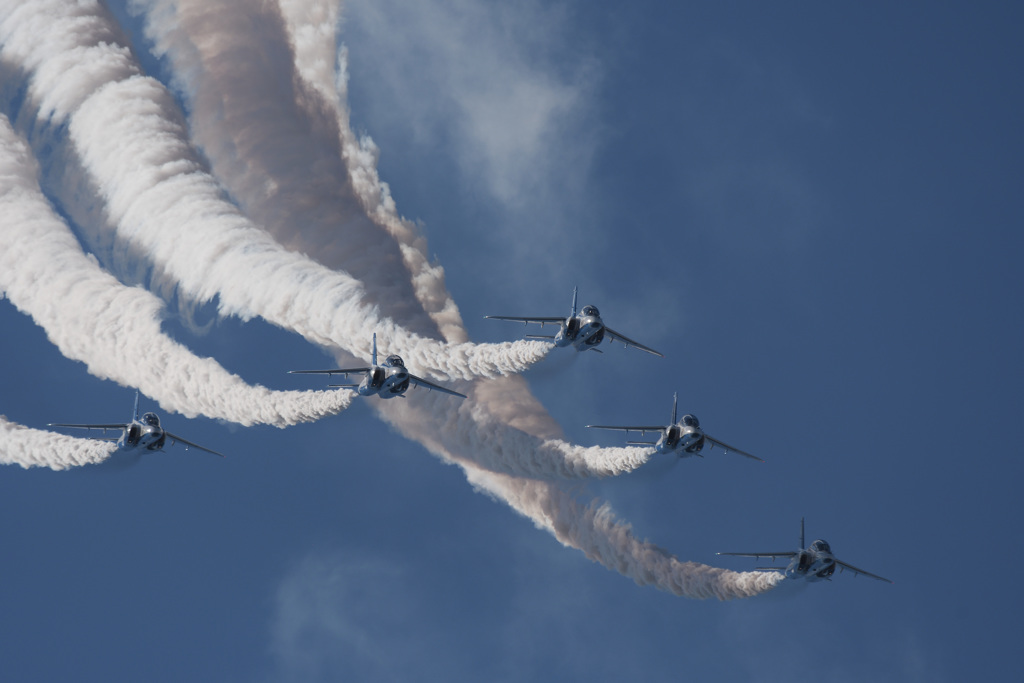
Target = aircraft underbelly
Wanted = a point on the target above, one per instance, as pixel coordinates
(394, 386)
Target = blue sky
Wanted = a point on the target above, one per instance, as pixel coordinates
(814, 215)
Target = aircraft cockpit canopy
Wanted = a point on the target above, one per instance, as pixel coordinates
(822, 545)
(395, 361)
(590, 311)
(151, 419)
(691, 421)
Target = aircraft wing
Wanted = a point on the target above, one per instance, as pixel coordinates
(728, 448)
(336, 371)
(188, 444)
(541, 321)
(430, 385)
(861, 571)
(642, 430)
(120, 426)
(786, 553)
(629, 342)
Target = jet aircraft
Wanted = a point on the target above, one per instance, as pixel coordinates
(387, 380)
(584, 330)
(813, 563)
(145, 432)
(683, 437)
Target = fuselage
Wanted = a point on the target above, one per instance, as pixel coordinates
(814, 563)
(387, 380)
(583, 331)
(685, 438)
(144, 433)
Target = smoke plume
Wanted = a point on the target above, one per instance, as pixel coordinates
(114, 329)
(36, 448)
(267, 134)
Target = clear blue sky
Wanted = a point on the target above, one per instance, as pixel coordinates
(815, 215)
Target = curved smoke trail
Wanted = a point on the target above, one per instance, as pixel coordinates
(501, 428)
(595, 531)
(478, 436)
(257, 143)
(114, 329)
(503, 408)
(36, 448)
(255, 137)
(126, 132)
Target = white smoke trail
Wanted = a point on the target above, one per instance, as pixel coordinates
(312, 28)
(497, 429)
(27, 447)
(595, 531)
(592, 529)
(505, 430)
(114, 329)
(279, 139)
(248, 130)
(126, 130)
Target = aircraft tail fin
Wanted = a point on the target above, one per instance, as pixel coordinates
(675, 401)
(374, 349)
(135, 413)
(574, 289)
(802, 543)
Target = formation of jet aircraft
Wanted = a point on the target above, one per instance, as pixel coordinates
(814, 562)
(141, 433)
(683, 437)
(387, 380)
(584, 330)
